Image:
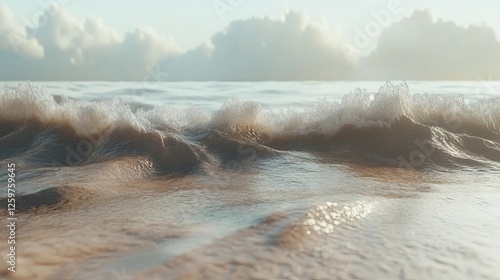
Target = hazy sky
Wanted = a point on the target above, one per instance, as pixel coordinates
(190, 22)
(199, 40)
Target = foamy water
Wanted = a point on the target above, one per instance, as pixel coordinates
(314, 180)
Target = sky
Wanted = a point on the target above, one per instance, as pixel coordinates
(249, 40)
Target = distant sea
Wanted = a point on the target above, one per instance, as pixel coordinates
(253, 180)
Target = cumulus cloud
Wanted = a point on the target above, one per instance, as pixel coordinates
(64, 48)
(421, 48)
(265, 49)
(61, 47)
(14, 41)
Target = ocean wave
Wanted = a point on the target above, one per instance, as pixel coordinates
(391, 127)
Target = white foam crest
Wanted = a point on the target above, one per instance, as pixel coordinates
(170, 118)
(488, 111)
(25, 103)
(390, 103)
(455, 112)
(359, 108)
(236, 113)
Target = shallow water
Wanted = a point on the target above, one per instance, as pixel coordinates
(313, 180)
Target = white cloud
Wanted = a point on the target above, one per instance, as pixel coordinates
(265, 49)
(68, 49)
(293, 48)
(420, 47)
(14, 40)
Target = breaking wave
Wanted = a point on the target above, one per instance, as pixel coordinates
(390, 127)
